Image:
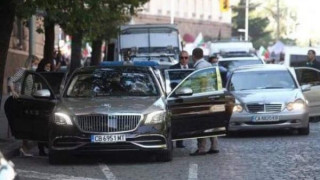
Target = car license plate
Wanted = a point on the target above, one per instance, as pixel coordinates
(108, 138)
(265, 118)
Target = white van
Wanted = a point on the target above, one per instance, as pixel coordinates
(297, 56)
(231, 46)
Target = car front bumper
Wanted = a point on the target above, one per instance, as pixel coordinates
(70, 138)
(287, 120)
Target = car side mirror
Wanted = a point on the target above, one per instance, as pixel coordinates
(184, 91)
(43, 93)
(306, 87)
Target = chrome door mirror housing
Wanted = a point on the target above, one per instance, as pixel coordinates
(184, 91)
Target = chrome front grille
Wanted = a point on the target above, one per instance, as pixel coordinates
(264, 108)
(108, 123)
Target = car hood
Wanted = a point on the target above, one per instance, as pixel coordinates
(267, 95)
(140, 105)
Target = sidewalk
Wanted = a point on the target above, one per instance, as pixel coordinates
(8, 145)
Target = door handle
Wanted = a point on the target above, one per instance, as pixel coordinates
(214, 97)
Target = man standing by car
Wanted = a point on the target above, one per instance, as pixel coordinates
(312, 62)
(183, 61)
(183, 64)
(200, 63)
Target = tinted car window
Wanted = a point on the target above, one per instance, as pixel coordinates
(54, 79)
(176, 77)
(229, 65)
(113, 82)
(308, 76)
(202, 81)
(261, 80)
(31, 84)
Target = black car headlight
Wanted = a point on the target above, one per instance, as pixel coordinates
(155, 117)
(62, 119)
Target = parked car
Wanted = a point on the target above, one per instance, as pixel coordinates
(235, 60)
(119, 107)
(310, 76)
(268, 97)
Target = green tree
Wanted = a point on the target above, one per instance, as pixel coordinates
(258, 34)
(7, 13)
(85, 18)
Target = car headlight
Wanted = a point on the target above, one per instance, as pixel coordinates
(237, 108)
(62, 119)
(155, 117)
(297, 105)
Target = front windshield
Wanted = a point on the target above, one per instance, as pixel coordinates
(113, 82)
(229, 65)
(261, 80)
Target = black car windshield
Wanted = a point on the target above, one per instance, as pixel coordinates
(229, 65)
(113, 82)
(261, 80)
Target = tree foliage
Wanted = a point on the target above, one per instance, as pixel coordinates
(93, 19)
(257, 25)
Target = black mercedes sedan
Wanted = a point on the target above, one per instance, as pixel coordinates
(119, 106)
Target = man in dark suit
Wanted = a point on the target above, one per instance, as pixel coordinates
(312, 62)
(183, 64)
(183, 61)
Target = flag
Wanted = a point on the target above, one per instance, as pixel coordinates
(199, 40)
(264, 53)
(224, 5)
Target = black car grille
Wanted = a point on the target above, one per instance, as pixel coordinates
(108, 123)
(264, 108)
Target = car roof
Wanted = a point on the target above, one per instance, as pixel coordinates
(134, 64)
(261, 67)
(239, 58)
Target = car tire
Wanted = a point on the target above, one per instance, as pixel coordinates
(166, 155)
(304, 131)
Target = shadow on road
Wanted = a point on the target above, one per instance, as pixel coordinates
(111, 158)
(262, 134)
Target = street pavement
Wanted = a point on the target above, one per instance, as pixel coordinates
(255, 155)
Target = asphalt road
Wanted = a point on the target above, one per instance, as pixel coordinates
(255, 155)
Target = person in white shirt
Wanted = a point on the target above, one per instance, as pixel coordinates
(200, 63)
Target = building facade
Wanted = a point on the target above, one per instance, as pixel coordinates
(19, 48)
(191, 16)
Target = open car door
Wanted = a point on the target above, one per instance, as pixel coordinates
(310, 76)
(174, 76)
(29, 114)
(199, 106)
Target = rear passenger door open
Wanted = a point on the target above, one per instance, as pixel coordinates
(198, 106)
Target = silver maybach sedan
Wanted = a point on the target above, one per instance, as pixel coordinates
(268, 97)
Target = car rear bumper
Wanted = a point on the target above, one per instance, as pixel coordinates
(287, 120)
